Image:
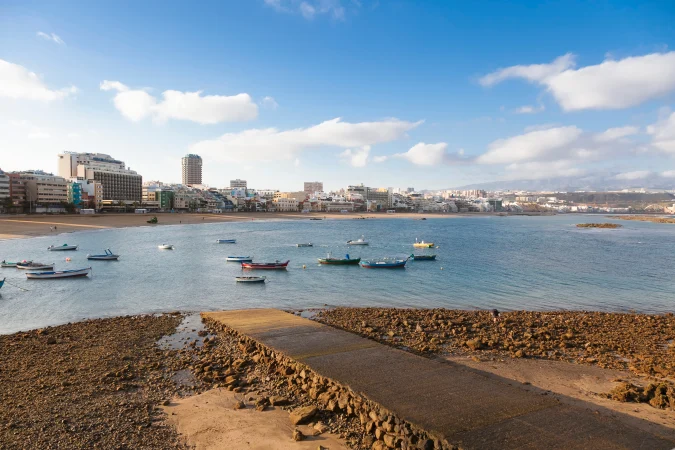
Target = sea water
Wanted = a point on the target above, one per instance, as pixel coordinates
(508, 263)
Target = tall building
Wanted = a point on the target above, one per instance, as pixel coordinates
(238, 184)
(4, 185)
(313, 186)
(192, 169)
(44, 188)
(118, 182)
(17, 188)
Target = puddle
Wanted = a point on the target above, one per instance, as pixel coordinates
(187, 332)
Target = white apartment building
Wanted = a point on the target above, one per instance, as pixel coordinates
(286, 204)
(191, 166)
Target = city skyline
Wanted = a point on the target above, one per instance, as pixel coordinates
(299, 95)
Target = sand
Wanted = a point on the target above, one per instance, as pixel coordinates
(22, 226)
(208, 422)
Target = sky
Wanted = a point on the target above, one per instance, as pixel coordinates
(424, 94)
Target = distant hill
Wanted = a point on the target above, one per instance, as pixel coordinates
(596, 183)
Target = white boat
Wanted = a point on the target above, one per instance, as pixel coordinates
(250, 279)
(13, 264)
(58, 274)
(226, 241)
(308, 244)
(107, 256)
(240, 259)
(359, 241)
(35, 266)
(61, 248)
(165, 247)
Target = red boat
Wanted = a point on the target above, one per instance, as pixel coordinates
(276, 265)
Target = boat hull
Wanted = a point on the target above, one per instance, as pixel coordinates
(2, 282)
(250, 279)
(226, 241)
(12, 264)
(43, 267)
(165, 247)
(265, 266)
(424, 257)
(63, 248)
(103, 257)
(423, 245)
(305, 245)
(239, 259)
(58, 274)
(340, 262)
(383, 265)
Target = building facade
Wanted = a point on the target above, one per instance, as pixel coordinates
(191, 170)
(237, 184)
(17, 189)
(75, 193)
(4, 186)
(286, 204)
(299, 196)
(44, 188)
(313, 186)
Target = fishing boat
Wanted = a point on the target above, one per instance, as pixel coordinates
(346, 261)
(34, 266)
(58, 274)
(107, 256)
(422, 244)
(226, 241)
(12, 264)
(61, 248)
(359, 241)
(308, 244)
(250, 279)
(240, 259)
(384, 263)
(276, 265)
(423, 257)
(165, 247)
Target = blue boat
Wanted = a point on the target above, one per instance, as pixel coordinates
(2, 282)
(239, 259)
(384, 263)
(226, 241)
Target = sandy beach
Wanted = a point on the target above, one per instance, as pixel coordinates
(13, 227)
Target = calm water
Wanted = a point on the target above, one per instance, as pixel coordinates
(483, 262)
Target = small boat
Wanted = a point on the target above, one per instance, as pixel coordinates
(226, 241)
(384, 263)
(359, 241)
(346, 261)
(58, 274)
(12, 264)
(107, 256)
(61, 248)
(422, 244)
(240, 259)
(2, 282)
(308, 244)
(250, 279)
(34, 266)
(315, 218)
(276, 265)
(165, 247)
(424, 257)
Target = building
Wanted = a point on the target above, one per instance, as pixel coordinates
(285, 204)
(192, 170)
(379, 198)
(299, 196)
(313, 186)
(17, 189)
(44, 188)
(75, 193)
(4, 186)
(237, 184)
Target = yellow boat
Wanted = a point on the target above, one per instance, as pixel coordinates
(422, 244)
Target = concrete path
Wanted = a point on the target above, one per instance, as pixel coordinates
(465, 406)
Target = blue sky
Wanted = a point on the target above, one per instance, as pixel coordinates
(416, 84)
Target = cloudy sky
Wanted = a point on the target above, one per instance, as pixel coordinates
(395, 93)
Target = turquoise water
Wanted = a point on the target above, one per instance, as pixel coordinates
(483, 262)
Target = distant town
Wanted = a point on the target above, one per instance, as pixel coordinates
(95, 182)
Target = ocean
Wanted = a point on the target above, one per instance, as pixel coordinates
(483, 262)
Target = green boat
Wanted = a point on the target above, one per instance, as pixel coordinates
(346, 261)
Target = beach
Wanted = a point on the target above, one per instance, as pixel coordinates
(169, 381)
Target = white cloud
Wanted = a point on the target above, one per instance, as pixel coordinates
(269, 103)
(537, 170)
(17, 82)
(357, 157)
(425, 154)
(137, 104)
(529, 109)
(610, 85)
(635, 175)
(31, 131)
(663, 133)
(307, 10)
(668, 174)
(530, 146)
(380, 159)
(74, 135)
(310, 8)
(613, 134)
(51, 37)
(271, 144)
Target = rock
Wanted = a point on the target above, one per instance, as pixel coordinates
(239, 405)
(368, 441)
(520, 354)
(321, 427)
(302, 414)
(166, 402)
(51, 341)
(390, 440)
(260, 407)
(474, 344)
(278, 400)
(297, 435)
(379, 445)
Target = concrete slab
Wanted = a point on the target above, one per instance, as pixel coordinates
(462, 405)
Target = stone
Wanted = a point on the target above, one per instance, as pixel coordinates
(239, 405)
(379, 445)
(297, 435)
(368, 441)
(166, 402)
(390, 440)
(278, 400)
(302, 414)
(51, 341)
(474, 344)
(321, 427)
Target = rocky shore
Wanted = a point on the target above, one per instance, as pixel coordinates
(599, 225)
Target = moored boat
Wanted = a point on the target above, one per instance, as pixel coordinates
(277, 265)
(424, 257)
(13, 264)
(34, 266)
(239, 259)
(384, 263)
(346, 261)
(308, 244)
(58, 274)
(107, 256)
(2, 282)
(422, 244)
(226, 241)
(250, 279)
(359, 241)
(61, 248)
(165, 247)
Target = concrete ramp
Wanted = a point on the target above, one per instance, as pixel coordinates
(466, 407)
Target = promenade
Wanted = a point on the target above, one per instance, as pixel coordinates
(466, 407)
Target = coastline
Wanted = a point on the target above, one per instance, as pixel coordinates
(181, 390)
